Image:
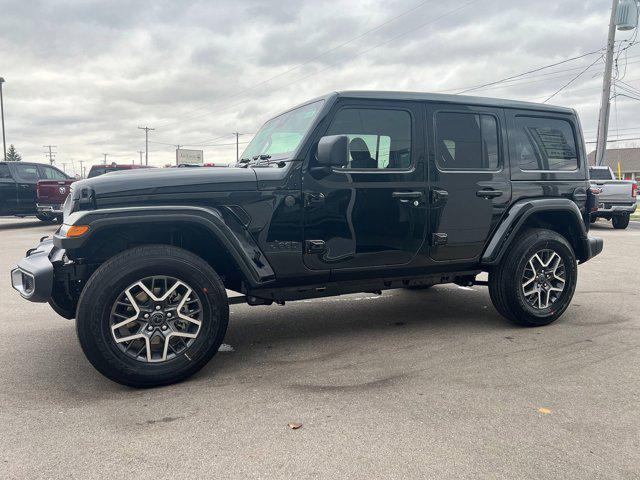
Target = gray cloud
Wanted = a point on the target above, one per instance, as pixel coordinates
(84, 74)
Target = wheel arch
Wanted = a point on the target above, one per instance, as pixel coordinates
(558, 214)
(216, 235)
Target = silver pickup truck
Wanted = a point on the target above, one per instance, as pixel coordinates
(617, 200)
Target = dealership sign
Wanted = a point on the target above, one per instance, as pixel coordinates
(191, 157)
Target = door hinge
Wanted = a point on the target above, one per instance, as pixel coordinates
(438, 239)
(314, 246)
(438, 197)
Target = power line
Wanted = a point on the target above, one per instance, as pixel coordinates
(617, 140)
(572, 80)
(351, 57)
(478, 87)
(313, 59)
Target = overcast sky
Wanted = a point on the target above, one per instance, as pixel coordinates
(83, 75)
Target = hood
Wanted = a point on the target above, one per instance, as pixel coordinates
(150, 181)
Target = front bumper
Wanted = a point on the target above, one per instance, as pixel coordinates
(33, 276)
(45, 208)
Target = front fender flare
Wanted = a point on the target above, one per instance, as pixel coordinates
(232, 235)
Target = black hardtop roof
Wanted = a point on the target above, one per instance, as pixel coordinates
(448, 98)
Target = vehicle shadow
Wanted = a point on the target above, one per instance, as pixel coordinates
(324, 329)
(314, 332)
(20, 224)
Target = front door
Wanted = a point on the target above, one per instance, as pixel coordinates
(27, 177)
(8, 191)
(373, 211)
(469, 178)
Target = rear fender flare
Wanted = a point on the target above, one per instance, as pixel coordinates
(514, 220)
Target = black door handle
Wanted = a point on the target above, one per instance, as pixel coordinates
(402, 195)
(488, 193)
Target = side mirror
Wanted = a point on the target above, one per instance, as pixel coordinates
(333, 151)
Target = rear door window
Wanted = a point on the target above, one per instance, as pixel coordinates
(546, 144)
(466, 141)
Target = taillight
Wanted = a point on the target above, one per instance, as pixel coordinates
(634, 190)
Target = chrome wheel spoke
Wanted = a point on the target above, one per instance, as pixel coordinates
(149, 317)
(542, 280)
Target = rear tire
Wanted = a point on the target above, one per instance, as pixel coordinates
(620, 222)
(186, 337)
(513, 285)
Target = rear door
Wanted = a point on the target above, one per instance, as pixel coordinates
(372, 212)
(8, 191)
(27, 176)
(469, 178)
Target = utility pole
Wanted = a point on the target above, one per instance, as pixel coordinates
(146, 143)
(237, 134)
(64, 167)
(177, 148)
(140, 152)
(4, 140)
(605, 103)
(105, 157)
(81, 169)
(51, 155)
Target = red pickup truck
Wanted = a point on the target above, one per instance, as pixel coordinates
(51, 195)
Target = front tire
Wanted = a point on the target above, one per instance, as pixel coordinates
(45, 217)
(152, 315)
(536, 279)
(620, 222)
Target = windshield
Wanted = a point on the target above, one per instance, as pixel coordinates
(281, 136)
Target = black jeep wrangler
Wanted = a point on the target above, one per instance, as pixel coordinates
(351, 192)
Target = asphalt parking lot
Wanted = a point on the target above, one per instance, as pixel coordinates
(431, 384)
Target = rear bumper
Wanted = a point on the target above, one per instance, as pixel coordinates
(49, 208)
(608, 208)
(33, 276)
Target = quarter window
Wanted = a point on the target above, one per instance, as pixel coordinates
(378, 139)
(545, 144)
(466, 141)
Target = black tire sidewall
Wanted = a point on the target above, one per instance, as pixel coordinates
(107, 283)
(620, 222)
(512, 283)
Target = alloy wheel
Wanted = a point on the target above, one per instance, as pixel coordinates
(543, 279)
(156, 319)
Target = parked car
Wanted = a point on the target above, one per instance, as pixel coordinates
(51, 195)
(18, 187)
(350, 192)
(617, 198)
(97, 170)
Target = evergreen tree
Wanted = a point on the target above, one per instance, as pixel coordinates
(13, 155)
